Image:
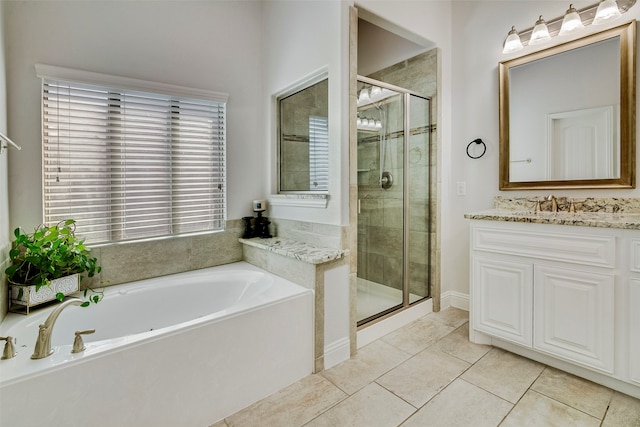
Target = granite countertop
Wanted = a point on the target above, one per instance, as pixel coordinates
(295, 249)
(624, 220)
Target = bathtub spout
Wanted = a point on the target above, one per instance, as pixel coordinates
(43, 343)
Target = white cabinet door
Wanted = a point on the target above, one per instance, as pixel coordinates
(634, 330)
(502, 298)
(573, 316)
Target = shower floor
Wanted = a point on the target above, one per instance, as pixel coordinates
(374, 298)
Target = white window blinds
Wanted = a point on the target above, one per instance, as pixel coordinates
(127, 164)
(318, 153)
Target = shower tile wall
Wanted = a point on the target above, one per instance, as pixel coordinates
(380, 219)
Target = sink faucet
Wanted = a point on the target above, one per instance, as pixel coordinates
(43, 343)
(554, 202)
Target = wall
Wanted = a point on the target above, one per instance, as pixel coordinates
(299, 44)
(181, 43)
(379, 48)
(5, 235)
(478, 49)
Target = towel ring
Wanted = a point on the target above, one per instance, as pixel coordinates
(477, 141)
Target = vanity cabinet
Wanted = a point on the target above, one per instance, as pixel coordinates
(634, 328)
(559, 293)
(634, 309)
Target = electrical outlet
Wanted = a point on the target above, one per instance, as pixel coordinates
(461, 188)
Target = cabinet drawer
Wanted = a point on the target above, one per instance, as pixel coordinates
(576, 249)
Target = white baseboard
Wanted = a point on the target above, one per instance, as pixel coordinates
(336, 352)
(455, 299)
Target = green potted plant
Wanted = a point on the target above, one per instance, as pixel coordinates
(48, 264)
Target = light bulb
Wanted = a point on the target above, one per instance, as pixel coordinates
(607, 11)
(376, 92)
(540, 33)
(378, 124)
(571, 21)
(364, 96)
(512, 43)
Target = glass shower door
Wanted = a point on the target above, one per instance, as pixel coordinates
(393, 228)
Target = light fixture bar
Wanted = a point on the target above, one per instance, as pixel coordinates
(586, 15)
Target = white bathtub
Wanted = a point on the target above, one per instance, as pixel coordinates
(180, 350)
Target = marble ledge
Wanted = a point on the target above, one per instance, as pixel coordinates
(623, 220)
(295, 249)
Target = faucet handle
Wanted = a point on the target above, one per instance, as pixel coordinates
(9, 349)
(78, 344)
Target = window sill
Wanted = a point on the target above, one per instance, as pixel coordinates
(319, 201)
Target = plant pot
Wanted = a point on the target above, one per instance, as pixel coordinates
(23, 297)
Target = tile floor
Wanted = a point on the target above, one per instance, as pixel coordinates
(429, 374)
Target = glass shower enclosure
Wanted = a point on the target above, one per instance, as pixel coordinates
(394, 225)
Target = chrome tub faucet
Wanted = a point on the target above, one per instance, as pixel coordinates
(43, 343)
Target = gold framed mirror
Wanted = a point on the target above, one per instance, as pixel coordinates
(567, 114)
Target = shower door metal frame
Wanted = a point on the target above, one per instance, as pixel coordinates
(406, 211)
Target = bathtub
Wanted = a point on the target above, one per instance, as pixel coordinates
(182, 350)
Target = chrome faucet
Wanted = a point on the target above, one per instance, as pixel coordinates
(554, 202)
(43, 343)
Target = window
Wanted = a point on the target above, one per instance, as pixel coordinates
(303, 143)
(319, 153)
(130, 164)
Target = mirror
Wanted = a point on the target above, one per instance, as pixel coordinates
(567, 114)
(303, 141)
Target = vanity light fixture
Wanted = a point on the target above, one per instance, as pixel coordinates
(572, 21)
(540, 32)
(607, 11)
(368, 124)
(512, 43)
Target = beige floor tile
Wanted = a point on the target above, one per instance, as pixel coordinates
(535, 409)
(292, 406)
(451, 316)
(371, 406)
(576, 392)
(418, 335)
(624, 411)
(461, 404)
(371, 362)
(504, 374)
(219, 424)
(420, 378)
(457, 344)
